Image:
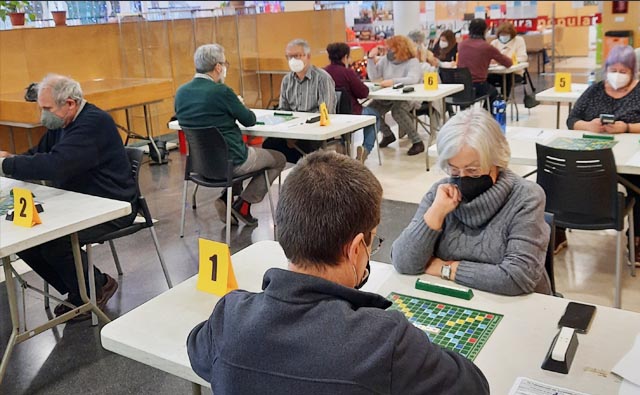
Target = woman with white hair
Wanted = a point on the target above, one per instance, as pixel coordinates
(483, 226)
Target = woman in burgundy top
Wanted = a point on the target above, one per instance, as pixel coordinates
(476, 54)
(348, 81)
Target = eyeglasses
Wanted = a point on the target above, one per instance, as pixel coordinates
(297, 56)
(376, 243)
(473, 172)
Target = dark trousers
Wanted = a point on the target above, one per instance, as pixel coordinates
(53, 260)
(496, 80)
(292, 154)
(483, 88)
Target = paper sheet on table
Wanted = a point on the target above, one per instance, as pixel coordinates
(627, 367)
(628, 388)
(527, 386)
(634, 160)
(530, 135)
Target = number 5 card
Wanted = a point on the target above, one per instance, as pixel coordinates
(215, 274)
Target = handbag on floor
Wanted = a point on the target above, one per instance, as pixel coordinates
(529, 99)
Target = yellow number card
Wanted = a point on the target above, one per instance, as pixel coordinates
(215, 274)
(324, 114)
(430, 81)
(562, 82)
(24, 210)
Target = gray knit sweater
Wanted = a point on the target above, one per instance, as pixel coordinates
(500, 238)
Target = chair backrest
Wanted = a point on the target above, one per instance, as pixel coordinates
(208, 153)
(343, 101)
(459, 76)
(581, 187)
(548, 261)
(135, 159)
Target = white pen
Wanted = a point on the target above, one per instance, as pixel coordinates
(297, 124)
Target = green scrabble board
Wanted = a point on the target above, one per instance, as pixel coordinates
(273, 119)
(588, 144)
(456, 328)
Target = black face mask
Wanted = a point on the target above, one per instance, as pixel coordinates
(391, 56)
(471, 188)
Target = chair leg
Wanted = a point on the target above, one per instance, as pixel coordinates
(92, 282)
(632, 244)
(273, 217)
(228, 225)
(184, 205)
(46, 297)
(154, 236)
(618, 280)
(193, 197)
(378, 147)
(115, 257)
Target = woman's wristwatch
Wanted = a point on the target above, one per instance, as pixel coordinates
(445, 272)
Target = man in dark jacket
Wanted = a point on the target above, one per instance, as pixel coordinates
(311, 331)
(81, 152)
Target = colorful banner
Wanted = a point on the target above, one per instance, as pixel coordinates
(529, 24)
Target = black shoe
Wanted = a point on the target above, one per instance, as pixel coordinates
(62, 308)
(416, 149)
(221, 208)
(106, 292)
(386, 140)
(242, 211)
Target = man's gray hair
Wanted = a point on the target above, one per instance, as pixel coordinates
(62, 88)
(474, 128)
(207, 57)
(298, 42)
(417, 36)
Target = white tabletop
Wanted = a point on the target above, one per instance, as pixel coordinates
(522, 141)
(516, 348)
(419, 93)
(500, 69)
(64, 213)
(562, 97)
(296, 128)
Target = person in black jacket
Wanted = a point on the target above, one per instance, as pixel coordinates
(81, 152)
(312, 331)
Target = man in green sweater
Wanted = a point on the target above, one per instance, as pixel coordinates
(206, 101)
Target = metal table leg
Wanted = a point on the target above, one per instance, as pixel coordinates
(15, 320)
(558, 115)
(432, 133)
(12, 141)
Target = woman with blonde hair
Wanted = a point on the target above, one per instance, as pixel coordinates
(398, 65)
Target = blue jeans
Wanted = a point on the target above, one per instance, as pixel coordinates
(370, 131)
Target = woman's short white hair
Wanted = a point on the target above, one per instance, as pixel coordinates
(474, 128)
(62, 88)
(207, 57)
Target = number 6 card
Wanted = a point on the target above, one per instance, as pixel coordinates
(215, 274)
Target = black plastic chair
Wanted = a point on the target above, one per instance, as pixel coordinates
(210, 165)
(548, 261)
(582, 193)
(467, 97)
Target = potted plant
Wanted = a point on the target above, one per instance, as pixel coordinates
(16, 12)
(58, 13)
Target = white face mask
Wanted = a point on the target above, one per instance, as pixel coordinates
(618, 80)
(504, 39)
(296, 65)
(224, 72)
(444, 44)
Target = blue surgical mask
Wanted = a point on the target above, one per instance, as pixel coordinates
(504, 38)
(50, 120)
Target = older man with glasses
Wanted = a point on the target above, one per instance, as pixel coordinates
(206, 101)
(303, 89)
(311, 331)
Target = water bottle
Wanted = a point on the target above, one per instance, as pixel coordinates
(499, 110)
(592, 78)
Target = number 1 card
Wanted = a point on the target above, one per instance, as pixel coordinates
(215, 274)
